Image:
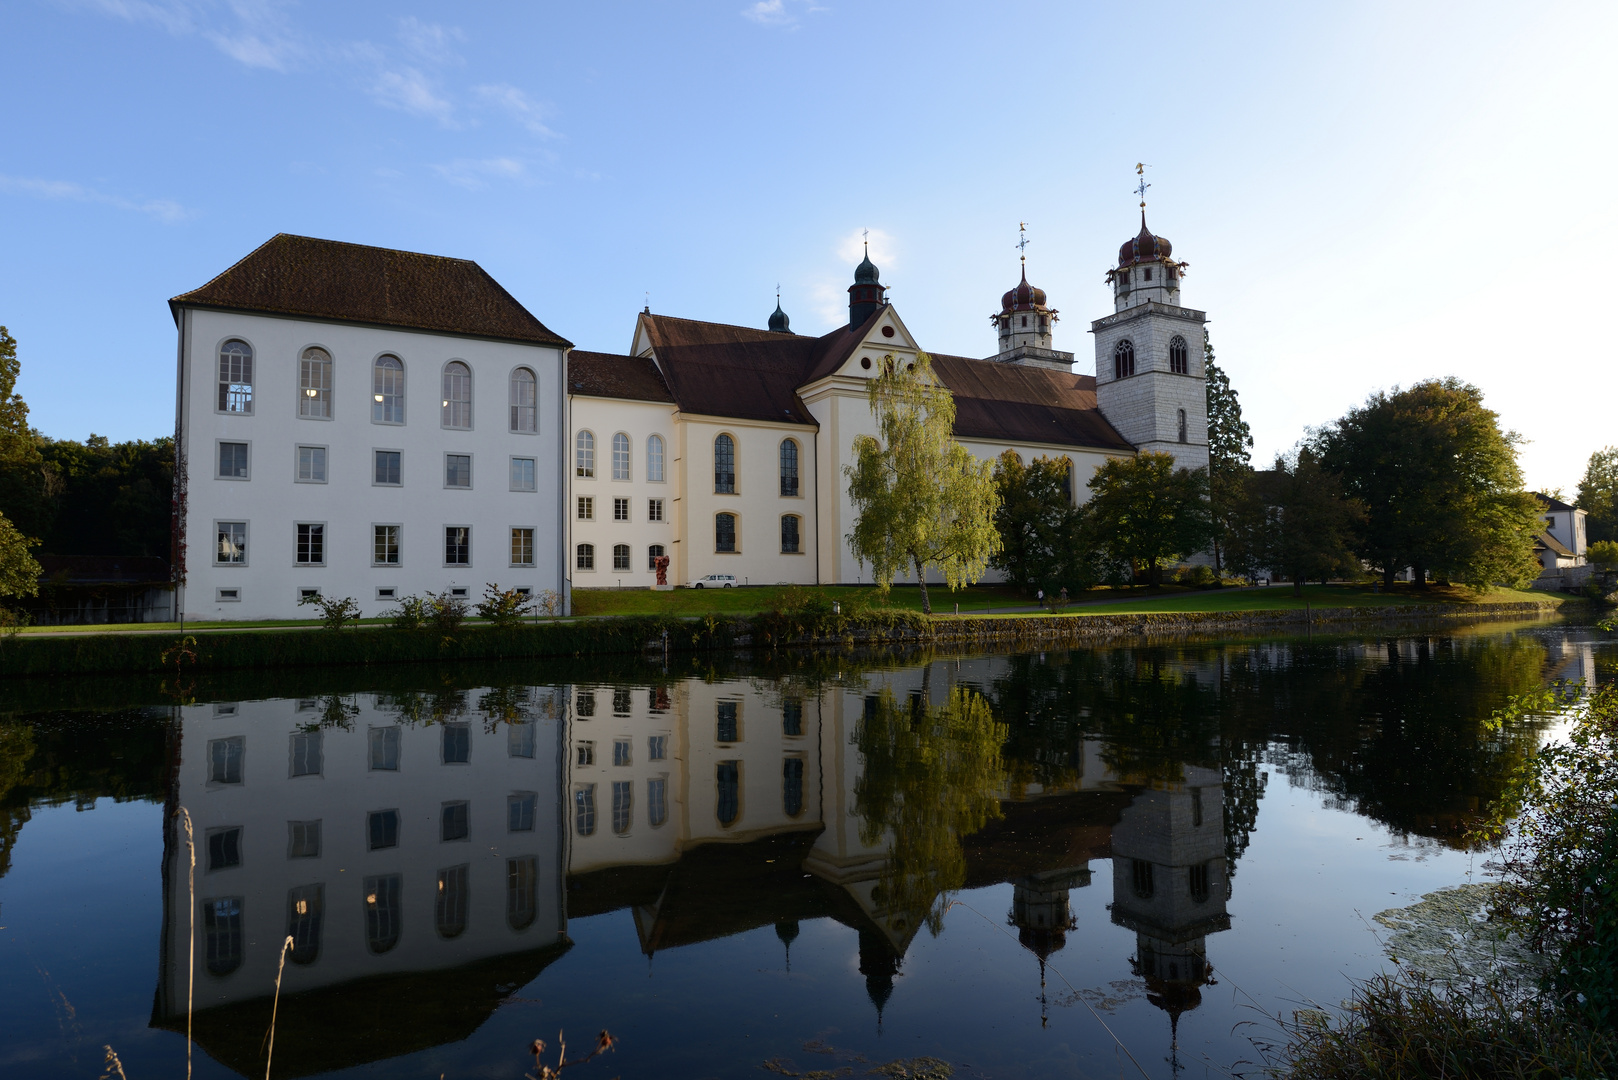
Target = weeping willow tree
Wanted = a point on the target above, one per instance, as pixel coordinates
(931, 777)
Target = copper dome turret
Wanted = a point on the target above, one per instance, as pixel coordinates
(1144, 247)
(1024, 297)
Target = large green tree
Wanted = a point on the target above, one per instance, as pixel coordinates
(1598, 495)
(1229, 446)
(1440, 483)
(1309, 525)
(923, 501)
(1144, 511)
(22, 480)
(1041, 538)
(108, 498)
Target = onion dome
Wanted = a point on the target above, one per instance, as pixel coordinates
(779, 322)
(1145, 247)
(866, 272)
(1023, 298)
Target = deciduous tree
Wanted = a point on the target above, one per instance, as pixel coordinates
(1598, 495)
(1309, 526)
(19, 573)
(1145, 511)
(1229, 444)
(22, 481)
(1041, 541)
(923, 500)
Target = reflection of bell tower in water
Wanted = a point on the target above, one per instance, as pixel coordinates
(1169, 885)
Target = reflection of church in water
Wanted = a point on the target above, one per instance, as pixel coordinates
(426, 853)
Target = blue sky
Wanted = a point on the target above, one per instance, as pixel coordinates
(1368, 194)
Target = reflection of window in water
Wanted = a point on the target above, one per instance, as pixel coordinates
(792, 716)
(457, 744)
(587, 753)
(382, 912)
(728, 781)
(622, 804)
(225, 760)
(620, 752)
(1141, 871)
(454, 821)
(308, 704)
(586, 705)
(727, 726)
(303, 839)
(522, 891)
(792, 786)
(222, 932)
(520, 739)
(306, 906)
(657, 747)
(584, 809)
(224, 848)
(872, 703)
(620, 700)
(449, 915)
(657, 801)
(385, 748)
(520, 811)
(659, 697)
(384, 828)
(1199, 883)
(306, 753)
(1196, 807)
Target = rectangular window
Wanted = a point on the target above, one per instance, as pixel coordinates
(224, 848)
(387, 468)
(620, 556)
(789, 534)
(457, 470)
(586, 753)
(586, 704)
(454, 822)
(457, 742)
(385, 546)
(728, 730)
(520, 739)
(311, 545)
(232, 543)
(620, 509)
(622, 701)
(522, 547)
(792, 786)
(520, 811)
(233, 460)
(584, 809)
(307, 756)
(383, 827)
(654, 509)
(657, 747)
(225, 760)
(587, 508)
(657, 801)
(622, 805)
(587, 557)
(303, 839)
(311, 464)
(523, 474)
(792, 716)
(457, 545)
(620, 752)
(384, 749)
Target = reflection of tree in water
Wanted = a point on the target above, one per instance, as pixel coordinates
(930, 777)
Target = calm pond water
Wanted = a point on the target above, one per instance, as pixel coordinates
(1100, 862)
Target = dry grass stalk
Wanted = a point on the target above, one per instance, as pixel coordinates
(604, 1042)
(286, 947)
(114, 1066)
(191, 957)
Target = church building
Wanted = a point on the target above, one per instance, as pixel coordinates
(722, 447)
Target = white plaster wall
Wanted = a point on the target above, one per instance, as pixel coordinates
(608, 722)
(1144, 407)
(272, 502)
(639, 420)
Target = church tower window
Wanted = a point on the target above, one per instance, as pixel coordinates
(1178, 356)
(1182, 426)
(1123, 359)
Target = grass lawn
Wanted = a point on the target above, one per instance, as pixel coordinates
(1280, 598)
(750, 600)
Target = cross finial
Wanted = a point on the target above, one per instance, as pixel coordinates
(1022, 240)
(865, 234)
(1142, 185)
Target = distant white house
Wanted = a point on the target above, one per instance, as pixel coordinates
(1561, 547)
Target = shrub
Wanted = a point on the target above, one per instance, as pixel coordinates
(503, 607)
(445, 612)
(1604, 554)
(548, 602)
(334, 614)
(411, 614)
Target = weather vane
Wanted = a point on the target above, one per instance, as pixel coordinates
(1022, 240)
(1140, 188)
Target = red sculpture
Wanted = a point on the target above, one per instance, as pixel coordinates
(661, 565)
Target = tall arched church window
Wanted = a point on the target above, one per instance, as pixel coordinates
(387, 390)
(724, 533)
(236, 377)
(792, 786)
(654, 458)
(585, 454)
(314, 383)
(724, 465)
(1182, 425)
(1123, 359)
(789, 467)
(1179, 356)
(382, 916)
(222, 932)
(727, 780)
(449, 912)
(524, 401)
(457, 403)
(305, 913)
(522, 891)
(620, 456)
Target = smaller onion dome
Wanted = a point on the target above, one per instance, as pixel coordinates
(1145, 247)
(1023, 298)
(779, 322)
(866, 272)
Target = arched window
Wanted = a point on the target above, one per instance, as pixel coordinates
(657, 801)
(724, 465)
(584, 809)
(222, 930)
(724, 533)
(789, 467)
(1179, 356)
(457, 404)
(449, 913)
(654, 552)
(789, 534)
(620, 556)
(387, 390)
(314, 383)
(1182, 425)
(1199, 883)
(728, 781)
(522, 892)
(524, 401)
(622, 806)
(587, 557)
(620, 456)
(585, 454)
(382, 914)
(654, 459)
(305, 910)
(1123, 359)
(236, 377)
(1141, 873)
(792, 786)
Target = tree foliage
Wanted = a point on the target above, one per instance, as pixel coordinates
(22, 481)
(1145, 512)
(1042, 542)
(19, 572)
(106, 498)
(1229, 444)
(1299, 523)
(1598, 495)
(922, 499)
(1440, 483)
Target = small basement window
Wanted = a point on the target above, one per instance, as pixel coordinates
(227, 595)
(386, 594)
(523, 590)
(306, 594)
(458, 591)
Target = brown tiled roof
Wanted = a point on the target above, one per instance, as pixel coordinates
(633, 378)
(352, 283)
(715, 369)
(1018, 403)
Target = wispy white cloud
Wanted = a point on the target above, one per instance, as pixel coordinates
(167, 211)
(522, 108)
(432, 43)
(474, 175)
(412, 91)
(251, 32)
(779, 12)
